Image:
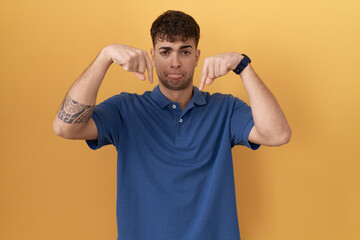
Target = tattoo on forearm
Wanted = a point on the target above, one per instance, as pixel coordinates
(74, 112)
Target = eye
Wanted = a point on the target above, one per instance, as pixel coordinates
(185, 52)
(164, 53)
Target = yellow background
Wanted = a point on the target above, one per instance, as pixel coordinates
(307, 53)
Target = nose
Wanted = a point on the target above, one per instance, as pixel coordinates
(175, 60)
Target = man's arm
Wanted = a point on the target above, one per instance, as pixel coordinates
(73, 120)
(271, 127)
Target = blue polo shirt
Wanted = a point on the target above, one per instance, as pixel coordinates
(175, 177)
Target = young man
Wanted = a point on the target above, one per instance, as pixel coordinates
(175, 173)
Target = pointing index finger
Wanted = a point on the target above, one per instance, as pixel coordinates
(203, 76)
(149, 67)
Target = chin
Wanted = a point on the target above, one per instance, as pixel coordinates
(175, 85)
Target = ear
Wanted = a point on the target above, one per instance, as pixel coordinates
(197, 57)
(152, 53)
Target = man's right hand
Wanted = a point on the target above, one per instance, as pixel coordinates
(131, 59)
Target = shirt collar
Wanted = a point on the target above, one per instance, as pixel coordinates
(197, 98)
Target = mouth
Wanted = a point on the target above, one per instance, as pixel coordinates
(175, 75)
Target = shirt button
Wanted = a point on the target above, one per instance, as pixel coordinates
(174, 106)
(180, 120)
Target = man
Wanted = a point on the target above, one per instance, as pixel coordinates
(175, 172)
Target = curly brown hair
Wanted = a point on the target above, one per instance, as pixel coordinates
(174, 24)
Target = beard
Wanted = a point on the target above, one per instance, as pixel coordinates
(178, 83)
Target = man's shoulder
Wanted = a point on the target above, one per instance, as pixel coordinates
(128, 96)
(223, 100)
(124, 99)
(219, 96)
(134, 95)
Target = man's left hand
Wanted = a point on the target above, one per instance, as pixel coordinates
(217, 66)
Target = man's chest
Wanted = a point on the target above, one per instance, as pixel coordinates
(174, 127)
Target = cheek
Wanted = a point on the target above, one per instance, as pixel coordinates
(159, 67)
(159, 64)
(191, 64)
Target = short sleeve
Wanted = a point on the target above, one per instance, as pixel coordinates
(241, 124)
(108, 118)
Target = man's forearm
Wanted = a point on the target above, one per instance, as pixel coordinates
(85, 88)
(270, 121)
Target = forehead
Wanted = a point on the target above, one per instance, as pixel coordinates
(176, 44)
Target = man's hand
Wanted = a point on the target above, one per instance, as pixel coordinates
(218, 66)
(131, 59)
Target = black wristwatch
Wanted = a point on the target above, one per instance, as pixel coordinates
(243, 63)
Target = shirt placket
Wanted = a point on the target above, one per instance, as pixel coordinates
(181, 132)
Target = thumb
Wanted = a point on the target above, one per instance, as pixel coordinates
(209, 80)
(140, 76)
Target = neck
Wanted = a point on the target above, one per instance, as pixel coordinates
(182, 97)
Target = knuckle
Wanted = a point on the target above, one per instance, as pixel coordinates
(138, 53)
(127, 57)
(141, 69)
(133, 54)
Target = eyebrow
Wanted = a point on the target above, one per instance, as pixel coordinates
(181, 47)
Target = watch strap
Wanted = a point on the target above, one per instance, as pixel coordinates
(243, 64)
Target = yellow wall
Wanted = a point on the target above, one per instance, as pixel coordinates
(307, 52)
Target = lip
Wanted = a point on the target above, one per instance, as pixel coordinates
(175, 76)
